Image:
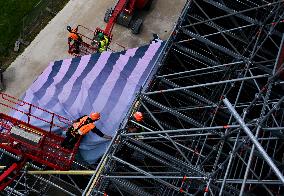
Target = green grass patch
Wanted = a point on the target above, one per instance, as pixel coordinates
(35, 14)
(11, 14)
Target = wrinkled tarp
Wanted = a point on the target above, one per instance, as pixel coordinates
(106, 82)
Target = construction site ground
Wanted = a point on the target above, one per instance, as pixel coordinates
(51, 43)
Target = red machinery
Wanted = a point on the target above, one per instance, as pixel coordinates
(30, 142)
(87, 46)
(123, 13)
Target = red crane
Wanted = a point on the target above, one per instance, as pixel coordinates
(29, 142)
(123, 13)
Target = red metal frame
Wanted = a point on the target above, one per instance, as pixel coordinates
(119, 7)
(48, 151)
(127, 6)
(10, 174)
(86, 46)
(140, 4)
(10, 100)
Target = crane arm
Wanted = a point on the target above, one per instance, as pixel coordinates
(120, 6)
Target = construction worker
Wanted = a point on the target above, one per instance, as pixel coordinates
(155, 39)
(74, 40)
(103, 42)
(137, 117)
(80, 127)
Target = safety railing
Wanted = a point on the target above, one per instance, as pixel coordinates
(88, 45)
(28, 110)
(22, 138)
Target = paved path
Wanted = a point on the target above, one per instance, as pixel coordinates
(51, 43)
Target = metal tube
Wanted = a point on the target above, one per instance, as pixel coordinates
(231, 14)
(10, 154)
(178, 136)
(23, 174)
(247, 169)
(227, 51)
(17, 192)
(167, 136)
(228, 166)
(55, 185)
(219, 32)
(145, 173)
(206, 84)
(201, 69)
(253, 173)
(179, 130)
(254, 140)
(251, 181)
(278, 55)
(256, 135)
(70, 172)
(156, 177)
(157, 133)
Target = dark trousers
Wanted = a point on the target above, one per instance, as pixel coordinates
(70, 140)
(77, 47)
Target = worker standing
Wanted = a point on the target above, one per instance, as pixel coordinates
(103, 42)
(137, 117)
(80, 127)
(74, 40)
(155, 39)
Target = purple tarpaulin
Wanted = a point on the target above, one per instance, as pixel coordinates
(106, 83)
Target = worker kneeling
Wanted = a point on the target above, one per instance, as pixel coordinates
(103, 42)
(80, 127)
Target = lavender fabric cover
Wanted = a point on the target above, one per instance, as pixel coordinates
(106, 82)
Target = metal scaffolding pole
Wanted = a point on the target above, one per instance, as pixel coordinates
(191, 140)
(234, 13)
(147, 174)
(254, 140)
(201, 69)
(207, 84)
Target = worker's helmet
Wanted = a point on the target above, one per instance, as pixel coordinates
(69, 28)
(101, 35)
(138, 116)
(95, 115)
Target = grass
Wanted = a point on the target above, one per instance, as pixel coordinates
(11, 13)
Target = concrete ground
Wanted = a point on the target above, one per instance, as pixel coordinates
(51, 43)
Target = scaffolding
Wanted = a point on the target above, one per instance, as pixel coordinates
(213, 113)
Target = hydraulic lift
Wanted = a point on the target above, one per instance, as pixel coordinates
(32, 143)
(123, 13)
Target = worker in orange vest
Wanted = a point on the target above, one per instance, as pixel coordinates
(74, 40)
(80, 127)
(137, 117)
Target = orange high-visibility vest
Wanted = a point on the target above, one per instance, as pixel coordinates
(83, 130)
(73, 35)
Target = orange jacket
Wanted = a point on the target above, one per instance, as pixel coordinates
(73, 34)
(83, 128)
